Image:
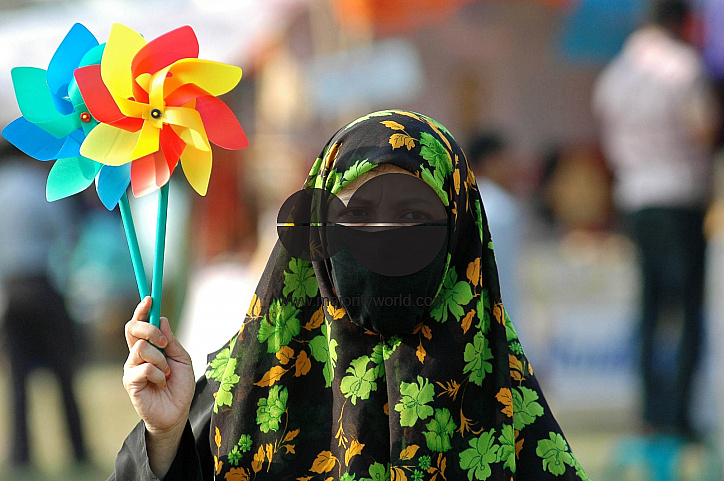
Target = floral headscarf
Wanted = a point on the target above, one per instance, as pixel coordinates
(303, 393)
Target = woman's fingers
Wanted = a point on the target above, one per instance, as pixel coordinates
(143, 352)
(173, 349)
(145, 362)
(137, 377)
(140, 329)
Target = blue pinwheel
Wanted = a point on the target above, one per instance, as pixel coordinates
(55, 121)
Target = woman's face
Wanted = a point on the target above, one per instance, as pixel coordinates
(387, 196)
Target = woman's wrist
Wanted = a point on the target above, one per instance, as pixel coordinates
(162, 446)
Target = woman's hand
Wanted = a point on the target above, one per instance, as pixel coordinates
(160, 386)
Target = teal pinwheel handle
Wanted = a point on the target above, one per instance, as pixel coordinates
(133, 247)
(157, 283)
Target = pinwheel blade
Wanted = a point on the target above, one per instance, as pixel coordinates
(93, 56)
(171, 145)
(71, 147)
(222, 127)
(109, 145)
(36, 103)
(147, 141)
(143, 175)
(67, 57)
(70, 176)
(161, 52)
(121, 47)
(196, 164)
(214, 77)
(112, 183)
(188, 125)
(100, 102)
(164, 169)
(32, 140)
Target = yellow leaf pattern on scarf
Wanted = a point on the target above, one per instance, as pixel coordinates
(258, 461)
(473, 272)
(315, 321)
(272, 376)
(400, 140)
(324, 463)
(393, 125)
(409, 452)
(285, 354)
(237, 474)
(468, 320)
(332, 155)
(255, 307)
(505, 397)
(421, 353)
(355, 448)
(397, 474)
(336, 313)
(303, 364)
(516, 368)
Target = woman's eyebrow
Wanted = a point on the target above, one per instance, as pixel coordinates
(362, 198)
(418, 201)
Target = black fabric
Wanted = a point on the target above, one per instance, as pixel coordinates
(386, 305)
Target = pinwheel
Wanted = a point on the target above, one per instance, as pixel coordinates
(55, 121)
(156, 103)
(54, 125)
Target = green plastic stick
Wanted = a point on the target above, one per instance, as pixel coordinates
(157, 284)
(132, 239)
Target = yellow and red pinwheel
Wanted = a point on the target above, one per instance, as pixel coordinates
(157, 104)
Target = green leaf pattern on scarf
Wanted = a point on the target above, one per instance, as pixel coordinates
(414, 403)
(279, 326)
(300, 282)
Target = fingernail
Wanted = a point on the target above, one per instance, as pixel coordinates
(167, 372)
(168, 376)
(163, 341)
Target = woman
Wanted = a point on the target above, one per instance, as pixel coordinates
(330, 377)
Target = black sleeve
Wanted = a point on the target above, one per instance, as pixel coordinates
(193, 461)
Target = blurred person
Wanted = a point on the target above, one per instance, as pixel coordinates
(656, 109)
(490, 159)
(316, 385)
(35, 236)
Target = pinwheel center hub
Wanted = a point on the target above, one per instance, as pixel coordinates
(156, 113)
(85, 117)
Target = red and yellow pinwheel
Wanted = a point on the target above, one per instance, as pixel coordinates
(157, 104)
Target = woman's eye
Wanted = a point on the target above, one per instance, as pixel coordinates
(415, 216)
(354, 214)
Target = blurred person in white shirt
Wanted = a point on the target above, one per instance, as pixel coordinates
(658, 117)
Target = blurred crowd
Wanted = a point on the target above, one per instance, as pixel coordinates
(601, 166)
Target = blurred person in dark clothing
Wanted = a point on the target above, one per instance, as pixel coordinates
(37, 330)
(656, 108)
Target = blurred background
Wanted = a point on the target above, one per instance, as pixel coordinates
(511, 77)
